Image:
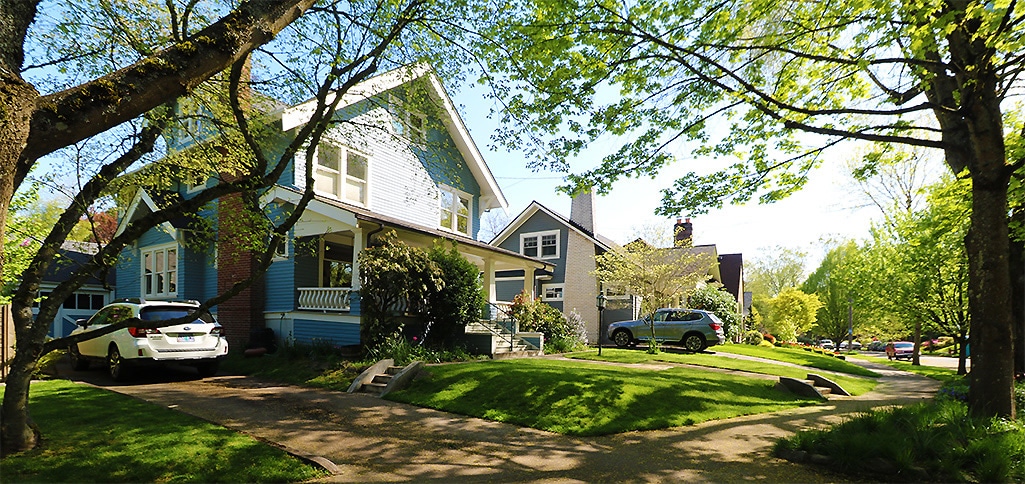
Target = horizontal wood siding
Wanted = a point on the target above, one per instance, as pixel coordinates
(192, 274)
(507, 290)
(540, 222)
(280, 280)
(338, 333)
(129, 274)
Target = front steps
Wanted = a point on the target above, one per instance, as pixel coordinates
(500, 342)
(814, 386)
(384, 377)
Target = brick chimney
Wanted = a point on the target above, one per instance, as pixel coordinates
(682, 232)
(243, 313)
(581, 211)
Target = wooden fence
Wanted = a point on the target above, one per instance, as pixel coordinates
(6, 340)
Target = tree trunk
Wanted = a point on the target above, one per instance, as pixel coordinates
(16, 428)
(1018, 297)
(989, 296)
(916, 354)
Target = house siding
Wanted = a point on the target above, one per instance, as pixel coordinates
(540, 222)
(336, 332)
(129, 269)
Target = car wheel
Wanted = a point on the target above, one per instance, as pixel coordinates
(694, 342)
(622, 338)
(116, 364)
(77, 362)
(207, 368)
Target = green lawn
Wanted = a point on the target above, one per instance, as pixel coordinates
(797, 357)
(93, 435)
(581, 398)
(854, 385)
(935, 372)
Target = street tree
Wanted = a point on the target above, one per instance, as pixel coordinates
(125, 77)
(760, 90)
(795, 313)
(776, 269)
(836, 282)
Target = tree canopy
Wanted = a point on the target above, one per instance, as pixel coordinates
(760, 90)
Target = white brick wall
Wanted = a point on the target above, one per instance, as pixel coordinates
(580, 289)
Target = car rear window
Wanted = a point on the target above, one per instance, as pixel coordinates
(904, 345)
(714, 318)
(159, 313)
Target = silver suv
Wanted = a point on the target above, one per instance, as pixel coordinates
(693, 328)
(199, 343)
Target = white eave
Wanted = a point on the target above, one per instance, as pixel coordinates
(491, 195)
(142, 200)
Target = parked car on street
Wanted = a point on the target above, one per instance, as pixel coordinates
(900, 349)
(826, 344)
(693, 328)
(876, 346)
(199, 342)
(855, 345)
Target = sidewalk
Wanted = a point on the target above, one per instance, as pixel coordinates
(366, 439)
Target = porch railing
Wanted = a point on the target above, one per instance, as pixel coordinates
(324, 298)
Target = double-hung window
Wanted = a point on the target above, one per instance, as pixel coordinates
(341, 173)
(543, 245)
(455, 210)
(160, 272)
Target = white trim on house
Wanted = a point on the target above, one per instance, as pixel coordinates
(533, 208)
(159, 271)
(543, 241)
(491, 193)
(141, 198)
(553, 292)
(453, 209)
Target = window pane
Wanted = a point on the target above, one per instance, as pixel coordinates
(158, 265)
(463, 223)
(172, 259)
(355, 190)
(530, 246)
(548, 245)
(148, 262)
(97, 301)
(325, 181)
(172, 282)
(69, 303)
(84, 301)
(160, 283)
(357, 166)
(327, 157)
(149, 284)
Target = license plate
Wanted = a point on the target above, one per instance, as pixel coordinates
(186, 339)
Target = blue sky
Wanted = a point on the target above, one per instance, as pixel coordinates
(829, 206)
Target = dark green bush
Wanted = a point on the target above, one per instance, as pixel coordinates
(534, 315)
(753, 337)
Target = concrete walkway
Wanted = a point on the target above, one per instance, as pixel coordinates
(365, 439)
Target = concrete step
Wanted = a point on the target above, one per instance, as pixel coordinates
(383, 379)
(375, 388)
(393, 370)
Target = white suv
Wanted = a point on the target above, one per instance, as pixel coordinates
(199, 343)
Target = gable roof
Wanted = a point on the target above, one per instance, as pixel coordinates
(145, 202)
(491, 194)
(534, 207)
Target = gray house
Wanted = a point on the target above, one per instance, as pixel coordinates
(571, 245)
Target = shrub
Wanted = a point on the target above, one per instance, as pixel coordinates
(714, 298)
(753, 337)
(534, 315)
(457, 302)
(766, 344)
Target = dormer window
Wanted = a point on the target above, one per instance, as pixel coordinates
(455, 210)
(341, 172)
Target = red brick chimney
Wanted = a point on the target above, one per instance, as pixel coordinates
(682, 232)
(243, 313)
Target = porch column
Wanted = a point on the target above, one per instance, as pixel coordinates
(489, 280)
(357, 247)
(528, 281)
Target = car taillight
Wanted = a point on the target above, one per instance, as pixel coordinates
(142, 332)
(715, 326)
(217, 331)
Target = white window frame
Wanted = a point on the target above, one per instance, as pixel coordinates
(281, 253)
(415, 134)
(157, 253)
(454, 208)
(539, 236)
(341, 175)
(561, 292)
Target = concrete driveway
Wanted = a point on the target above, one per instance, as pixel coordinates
(365, 439)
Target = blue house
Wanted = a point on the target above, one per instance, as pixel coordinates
(388, 167)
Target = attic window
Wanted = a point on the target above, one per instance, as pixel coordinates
(409, 123)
